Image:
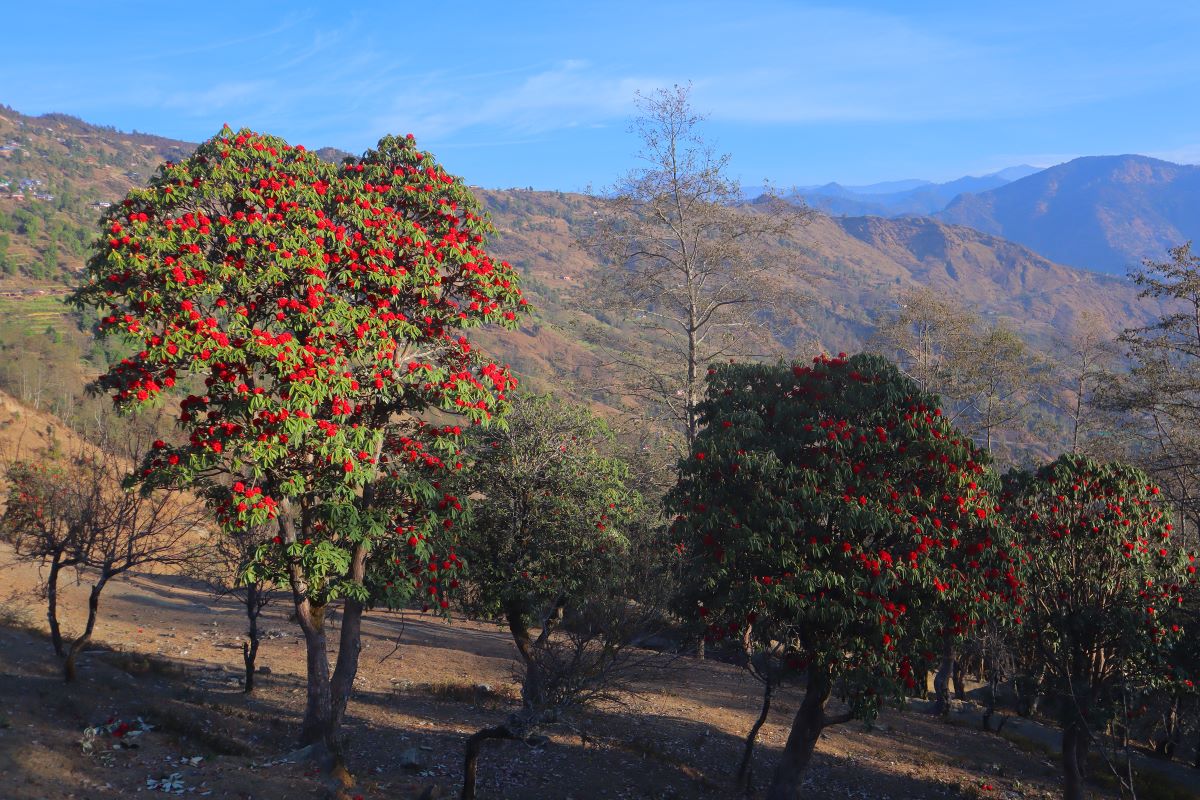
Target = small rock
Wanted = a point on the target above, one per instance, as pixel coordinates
(412, 758)
(264, 670)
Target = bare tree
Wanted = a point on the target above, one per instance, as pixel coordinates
(690, 273)
(926, 334)
(108, 529)
(987, 376)
(230, 566)
(1000, 382)
(54, 540)
(1083, 366)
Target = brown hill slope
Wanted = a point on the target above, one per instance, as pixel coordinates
(35, 435)
(853, 268)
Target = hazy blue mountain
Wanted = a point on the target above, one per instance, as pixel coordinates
(904, 197)
(1105, 213)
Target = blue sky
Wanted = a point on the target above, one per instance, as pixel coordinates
(541, 94)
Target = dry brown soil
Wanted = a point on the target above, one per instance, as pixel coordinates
(169, 653)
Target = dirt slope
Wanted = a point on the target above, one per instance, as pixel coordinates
(172, 655)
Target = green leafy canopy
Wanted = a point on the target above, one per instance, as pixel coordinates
(833, 509)
(310, 316)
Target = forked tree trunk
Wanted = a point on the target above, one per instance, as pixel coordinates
(86, 636)
(531, 688)
(52, 605)
(327, 694)
(745, 774)
(1166, 747)
(1031, 699)
(802, 740)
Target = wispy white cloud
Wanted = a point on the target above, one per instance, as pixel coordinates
(790, 65)
(569, 94)
(218, 98)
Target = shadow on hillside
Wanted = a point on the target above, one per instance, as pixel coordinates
(184, 595)
(631, 752)
(635, 755)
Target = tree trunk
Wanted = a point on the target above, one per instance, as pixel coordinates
(250, 650)
(1073, 742)
(317, 727)
(349, 640)
(474, 743)
(993, 681)
(531, 685)
(941, 680)
(745, 774)
(318, 713)
(349, 649)
(1028, 689)
(1038, 692)
(86, 636)
(52, 606)
(249, 653)
(520, 634)
(802, 740)
(957, 679)
(1165, 748)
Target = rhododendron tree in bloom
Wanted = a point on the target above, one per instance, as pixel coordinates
(309, 316)
(1105, 577)
(832, 509)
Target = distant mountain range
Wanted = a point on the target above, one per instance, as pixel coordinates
(1104, 213)
(904, 197)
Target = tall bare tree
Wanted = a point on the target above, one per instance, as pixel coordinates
(1001, 381)
(1083, 366)
(690, 274)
